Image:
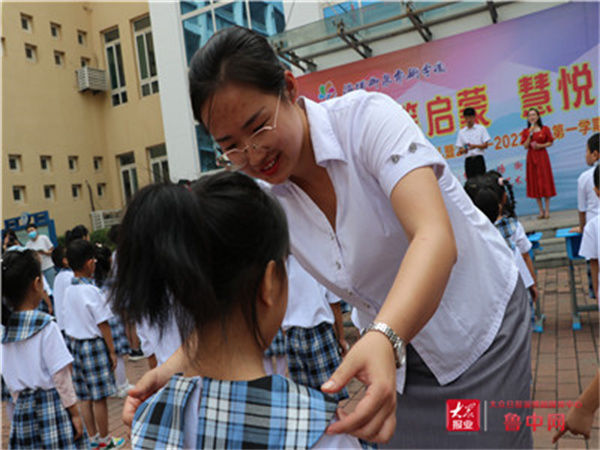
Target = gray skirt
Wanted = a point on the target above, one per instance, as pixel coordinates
(503, 372)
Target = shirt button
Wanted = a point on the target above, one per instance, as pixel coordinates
(338, 265)
(332, 237)
(412, 147)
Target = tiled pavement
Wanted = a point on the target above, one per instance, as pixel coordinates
(563, 361)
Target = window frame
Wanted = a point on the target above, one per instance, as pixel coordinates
(58, 28)
(76, 191)
(33, 49)
(119, 92)
(48, 160)
(75, 159)
(29, 21)
(150, 81)
(52, 190)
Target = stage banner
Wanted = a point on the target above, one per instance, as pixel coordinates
(546, 60)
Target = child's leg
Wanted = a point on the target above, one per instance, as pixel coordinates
(88, 417)
(101, 414)
(120, 375)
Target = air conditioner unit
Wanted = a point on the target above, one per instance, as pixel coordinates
(89, 79)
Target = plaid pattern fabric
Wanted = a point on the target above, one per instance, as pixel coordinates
(40, 421)
(271, 413)
(277, 347)
(313, 355)
(119, 337)
(5, 394)
(507, 227)
(93, 378)
(24, 324)
(43, 307)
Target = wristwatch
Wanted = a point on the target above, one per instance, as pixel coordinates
(397, 343)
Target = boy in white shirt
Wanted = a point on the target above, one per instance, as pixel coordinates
(42, 244)
(91, 343)
(472, 140)
(589, 248)
(588, 203)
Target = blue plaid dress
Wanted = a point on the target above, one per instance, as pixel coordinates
(119, 337)
(507, 227)
(313, 355)
(270, 412)
(39, 419)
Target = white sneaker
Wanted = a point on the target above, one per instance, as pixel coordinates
(122, 391)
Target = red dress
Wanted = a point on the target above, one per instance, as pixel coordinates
(540, 181)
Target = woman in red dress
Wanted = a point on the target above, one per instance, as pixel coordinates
(540, 181)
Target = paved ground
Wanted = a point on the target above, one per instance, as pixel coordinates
(563, 361)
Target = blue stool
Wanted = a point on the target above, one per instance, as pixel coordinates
(572, 242)
(538, 318)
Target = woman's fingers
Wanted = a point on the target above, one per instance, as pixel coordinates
(129, 408)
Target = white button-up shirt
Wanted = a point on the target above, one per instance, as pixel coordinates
(367, 143)
(477, 135)
(587, 200)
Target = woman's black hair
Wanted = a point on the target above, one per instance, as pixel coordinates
(216, 241)
(234, 54)
(102, 270)
(484, 196)
(19, 270)
(597, 177)
(78, 232)
(501, 185)
(593, 143)
(79, 252)
(58, 254)
(539, 121)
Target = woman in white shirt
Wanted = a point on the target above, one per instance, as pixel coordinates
(376, 217)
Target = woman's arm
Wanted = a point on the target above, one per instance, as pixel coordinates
(410, 303)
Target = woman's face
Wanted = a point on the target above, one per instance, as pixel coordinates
(236, 112)
(532, 116)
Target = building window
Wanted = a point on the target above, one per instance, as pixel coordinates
(114, 61)
(27, 23)
(100, 189)
(145, 55)
(46, 163)
(31, 52)
(82, 38)
(97, 163)
(49, 191)
(129, 181)
(14, 163)
(55, 30)
(19, 194)
(159, 164)
(76, 190)
(85, 62)
(73, 163)
(59, 58)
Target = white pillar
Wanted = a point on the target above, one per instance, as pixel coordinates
(178, 120)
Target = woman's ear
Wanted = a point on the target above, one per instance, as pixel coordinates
(269, 286)
(291, 85)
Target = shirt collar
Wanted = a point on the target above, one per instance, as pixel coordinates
(325, 143)
(82, 280)
(24, 324)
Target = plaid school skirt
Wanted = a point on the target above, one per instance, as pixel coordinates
(92, 375)
(40, 421)
(313, 355)
(119, 337)
(5, 394)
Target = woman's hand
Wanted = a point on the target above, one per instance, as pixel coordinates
(534, 145)
(372, 361)
(578, 421)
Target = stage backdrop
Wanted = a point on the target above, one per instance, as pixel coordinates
(547, 60)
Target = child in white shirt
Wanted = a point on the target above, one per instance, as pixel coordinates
(590, 244)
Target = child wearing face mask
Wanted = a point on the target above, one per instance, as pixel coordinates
(223, 276)
(42, 244)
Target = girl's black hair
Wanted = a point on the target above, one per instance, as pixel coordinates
(58, 254)
(78, 232)
(79, 252)
(12, 238)
(102, 270)
(234, 54)
(597, 177)
(484, 196)
(539, 121)
(501, 185)
(216, 241)
(19, 270)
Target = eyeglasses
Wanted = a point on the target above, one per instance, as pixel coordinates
(237, 158)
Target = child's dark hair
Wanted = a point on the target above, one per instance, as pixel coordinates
(469, 112)
(102, 264)
(12, 238)
(31, 225)
(593, 143)
(484, 196)
(19, 270)
(58, 254)
(79, 252)
(501, 185)
(217, 240)
(234, 54)
(597, 177)
(78, 232)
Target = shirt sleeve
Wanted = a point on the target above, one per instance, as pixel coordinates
(485, 136)
(55, 354)
(581, 200)
(391, 144)
(147, 342)
(520, 239)
(99, 307)
(548, 133)
(459, 139)
(524, 135)
(589, 241)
